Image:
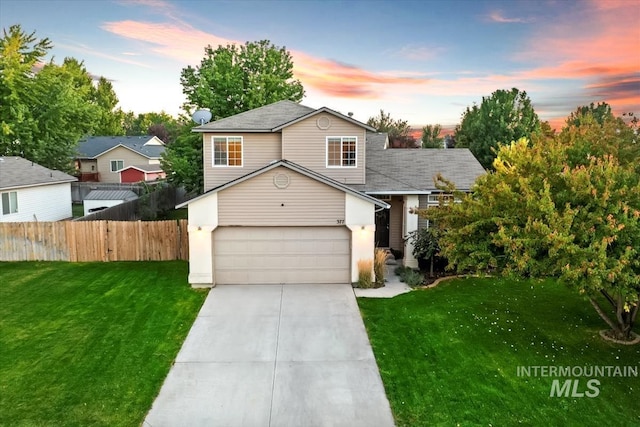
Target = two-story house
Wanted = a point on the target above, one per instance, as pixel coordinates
(116, 159)
(299, 195)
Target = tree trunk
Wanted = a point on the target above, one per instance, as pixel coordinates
(431, 267)
(622, 327)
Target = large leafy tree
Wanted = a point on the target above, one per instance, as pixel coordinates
(503, 117)
(44, 109)
(19, 54)
(230, 79)
(600, 112)
(398, 130)
(163, 125)
(183, 160)
(565, 206)
(431, 136)
(62, 113)
(110, 120)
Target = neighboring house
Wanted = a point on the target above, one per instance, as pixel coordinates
(30, 192)
(97, 200)
(131, 174)
(101, 158)
(299, 195)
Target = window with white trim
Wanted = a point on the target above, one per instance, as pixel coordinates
(341, 151)
(116, 165)
(9, 202)
(227, 150)
(434, 200)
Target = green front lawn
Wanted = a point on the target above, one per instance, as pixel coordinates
(89, 344)
(449, 356)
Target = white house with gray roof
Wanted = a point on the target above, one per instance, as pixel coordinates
(299, 195)
(97, 200)
(30, 192)
(102, 158)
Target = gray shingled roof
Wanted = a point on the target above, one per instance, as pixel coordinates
(94, 146)
(111, 195)
(262, 119)
(412, 170)
(145, 168)
(17, 172)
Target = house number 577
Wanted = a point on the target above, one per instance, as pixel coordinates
(340, 221)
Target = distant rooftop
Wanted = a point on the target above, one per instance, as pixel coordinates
(19, 172)
(111, 195)
(147, 145)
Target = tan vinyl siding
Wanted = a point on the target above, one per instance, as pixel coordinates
(258, 150)
(258, 202)
(85, 166)
(305, 143)
(129, 158)
(395, 223)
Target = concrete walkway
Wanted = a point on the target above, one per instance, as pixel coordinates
(393, 286)
(274, 355)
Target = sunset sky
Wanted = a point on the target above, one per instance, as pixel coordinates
(422, 61)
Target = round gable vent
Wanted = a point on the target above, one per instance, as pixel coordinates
(281, 180)
(323, 122)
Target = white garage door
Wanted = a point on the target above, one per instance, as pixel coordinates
(266, 255)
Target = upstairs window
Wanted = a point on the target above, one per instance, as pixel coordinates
(116, 165)
(341, 151)
(227, 151)
(9, 203)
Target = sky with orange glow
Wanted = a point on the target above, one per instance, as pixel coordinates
(422, 61)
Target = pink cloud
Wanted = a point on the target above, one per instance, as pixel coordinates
(185, 44)
(499, 18)
(603, 53)
(605, 48)
(329, 77)
(336, 79)
(97, 52)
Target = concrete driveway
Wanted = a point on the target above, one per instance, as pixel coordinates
(275, 355)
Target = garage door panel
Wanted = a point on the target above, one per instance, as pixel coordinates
(256, 255)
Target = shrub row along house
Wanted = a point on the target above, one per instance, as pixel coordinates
(298, 195)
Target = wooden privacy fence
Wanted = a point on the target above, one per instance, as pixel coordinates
(94, 241)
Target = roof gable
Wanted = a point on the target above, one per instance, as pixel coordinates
(148, 146)
(262, 119)
(296, 168)
(16, 172)
(328, 111)
(271, 118)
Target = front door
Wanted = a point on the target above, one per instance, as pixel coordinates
(382, 228)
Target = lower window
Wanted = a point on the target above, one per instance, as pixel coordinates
(9, 203)
(116, 165)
